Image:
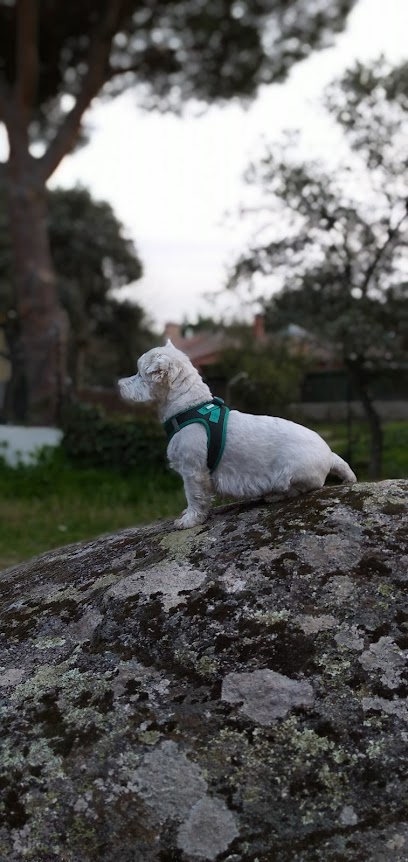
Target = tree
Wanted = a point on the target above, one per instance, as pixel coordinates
(56, 57)
(371, 104)
(339, 255)
(261, 378)
(93, 260)
(121, 334)
(252, 373)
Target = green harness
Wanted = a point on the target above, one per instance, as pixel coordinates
(213, 415)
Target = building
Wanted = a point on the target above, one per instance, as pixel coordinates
(206, 347)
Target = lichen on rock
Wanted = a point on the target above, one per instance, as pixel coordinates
(233, 693)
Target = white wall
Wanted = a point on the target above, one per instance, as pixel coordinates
(18, 444)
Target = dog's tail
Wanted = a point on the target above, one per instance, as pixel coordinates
(341, 469)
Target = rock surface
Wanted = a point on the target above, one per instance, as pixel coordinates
(235, 692)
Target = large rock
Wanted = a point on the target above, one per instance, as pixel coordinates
(234, 692)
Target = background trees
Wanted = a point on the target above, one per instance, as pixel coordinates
(56, 57)
(93, 259)
(261, 379)
(335, 238)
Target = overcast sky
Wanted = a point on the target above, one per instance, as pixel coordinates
(171, 181)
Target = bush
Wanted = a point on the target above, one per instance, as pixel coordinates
(94, 440)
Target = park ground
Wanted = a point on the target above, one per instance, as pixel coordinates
(55, 502)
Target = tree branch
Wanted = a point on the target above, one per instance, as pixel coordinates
(27, 55)
(94, 78)
(115, 73)
(348, 271)
(392, 233)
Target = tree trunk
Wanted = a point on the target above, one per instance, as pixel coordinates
(359, 380)
(43, 324)
(14, 407)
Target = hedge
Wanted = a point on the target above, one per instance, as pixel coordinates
(92, 439)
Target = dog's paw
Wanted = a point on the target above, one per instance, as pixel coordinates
(190, 518)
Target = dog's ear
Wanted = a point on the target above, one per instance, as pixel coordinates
(169, 343)
(158, 367)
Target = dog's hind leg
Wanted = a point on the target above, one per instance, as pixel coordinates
(296, 487)
(198, 491)
(278, 496)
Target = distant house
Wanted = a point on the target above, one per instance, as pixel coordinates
(301, 342)
(202, 348)
(205, 348)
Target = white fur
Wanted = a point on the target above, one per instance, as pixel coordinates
(264, 456)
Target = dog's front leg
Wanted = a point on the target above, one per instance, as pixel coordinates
(197, 488)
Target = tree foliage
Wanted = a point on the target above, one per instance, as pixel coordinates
(261, 379)
(335, 242)
(56, 57)
(175, 51)
(371, 104)
(93, 259)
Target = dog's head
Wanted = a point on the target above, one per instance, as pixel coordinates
(159, 371)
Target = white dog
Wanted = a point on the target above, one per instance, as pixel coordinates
(264, 456)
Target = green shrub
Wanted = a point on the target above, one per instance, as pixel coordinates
(95, 440)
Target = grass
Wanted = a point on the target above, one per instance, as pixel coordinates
(55, 503)
(395, 459)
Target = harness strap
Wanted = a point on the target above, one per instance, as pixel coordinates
(213, 415)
